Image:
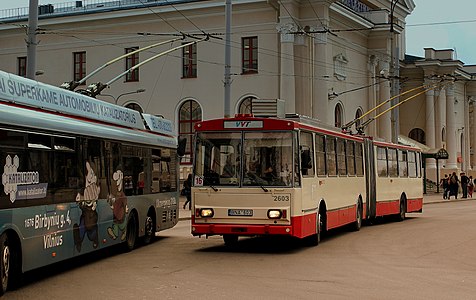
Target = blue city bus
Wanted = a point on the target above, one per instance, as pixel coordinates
(78, 175)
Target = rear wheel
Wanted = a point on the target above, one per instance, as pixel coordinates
(149, 228)
(131, 235)
(230, 240)
(358, 218)
(403, 203)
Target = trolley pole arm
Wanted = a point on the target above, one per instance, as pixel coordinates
(74, 84)
(346, 126)
(96, 88)
(361, 128)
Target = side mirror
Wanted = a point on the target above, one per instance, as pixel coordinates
(182, 144)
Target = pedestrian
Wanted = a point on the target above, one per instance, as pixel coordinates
(464, 184)
(444, 184)
(453, 188)
(187, 190)
(470, 187)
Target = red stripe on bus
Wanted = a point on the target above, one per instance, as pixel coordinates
(242, 229)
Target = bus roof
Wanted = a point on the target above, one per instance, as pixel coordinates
(24, 91)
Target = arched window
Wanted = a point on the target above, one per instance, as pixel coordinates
(418, 135)
(246, 106)
(443, 134)
(338, 115)
(190, 113)
(135, 106)
(358, 114)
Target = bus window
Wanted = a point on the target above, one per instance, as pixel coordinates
(412, 164)
(320, 155)
(341, 164)
(66, 173)
(392, 162)
(331, 156)
(359, 159)
(307, 154)
(218, 158)
(350, 157)
(382, 162)
(163, 170)
(269, 158)
(402, 163)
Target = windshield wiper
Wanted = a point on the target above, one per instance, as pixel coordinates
(214, 188)
(264, 189)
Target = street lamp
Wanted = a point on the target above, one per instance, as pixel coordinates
(123, 94)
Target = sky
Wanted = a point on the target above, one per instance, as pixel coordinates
(457, 32)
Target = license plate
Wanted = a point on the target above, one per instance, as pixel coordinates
(240, 212)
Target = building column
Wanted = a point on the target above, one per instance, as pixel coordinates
(287, 79)
(473, 132)
(372, 100)
(430, 125)
(442, 117)
(451, 131)
(320, 106)
(384, 121)
(467, 137)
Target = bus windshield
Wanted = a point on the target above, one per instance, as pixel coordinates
(246, 159)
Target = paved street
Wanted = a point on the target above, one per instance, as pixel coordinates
(428, 256)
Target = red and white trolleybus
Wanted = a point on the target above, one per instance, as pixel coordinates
(293, 176)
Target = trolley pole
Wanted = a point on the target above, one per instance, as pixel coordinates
(31, 42)
(227, 81)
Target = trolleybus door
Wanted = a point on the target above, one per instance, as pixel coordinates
(370, 179)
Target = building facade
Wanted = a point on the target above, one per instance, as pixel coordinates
(329, 59)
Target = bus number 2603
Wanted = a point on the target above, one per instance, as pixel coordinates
(281, 198)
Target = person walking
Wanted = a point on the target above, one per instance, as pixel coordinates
(464, 184)
(187, 189)
(453, 186)
(444, 184)
(470, 187)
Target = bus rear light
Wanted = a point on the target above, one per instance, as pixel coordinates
(206, 212)
(274, 214)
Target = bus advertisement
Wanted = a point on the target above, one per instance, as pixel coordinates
(78, 175)
(293, 176)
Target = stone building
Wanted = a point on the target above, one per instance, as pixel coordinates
(329, 59)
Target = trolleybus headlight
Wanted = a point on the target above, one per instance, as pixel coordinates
(274, 214)
(206, 212)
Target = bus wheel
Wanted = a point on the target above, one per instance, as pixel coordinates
(149, 228)
(315, 239)
(131, 234)
(358, 217)
(401, 215)
(5, 260)
(230, 240)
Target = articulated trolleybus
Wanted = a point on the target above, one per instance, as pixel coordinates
(79, 175)
(293, 176)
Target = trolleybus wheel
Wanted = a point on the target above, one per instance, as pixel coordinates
(149, 228)
(315, 239)
(358, 217)
(401, 215)
(230, 239)
(5, 260)
(131, 234)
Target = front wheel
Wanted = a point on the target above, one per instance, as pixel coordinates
(401, 215)
(358, 218)
(149, 229)
(5, 260)
(315, 239)
(131, 234)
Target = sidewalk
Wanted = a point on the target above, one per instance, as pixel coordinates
(429, 198)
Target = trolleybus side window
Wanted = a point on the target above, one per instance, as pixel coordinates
(341, 165)
(331, 156)
(412, 164)
(41, 158)
(359, 159)
(163, 170)
(350, 157)
(320, 155)
(66, 173)
(307, 154)
(392, 162)
(382, 162)
(402, 163)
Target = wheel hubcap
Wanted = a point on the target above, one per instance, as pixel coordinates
(148, 226)
(6, 263)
